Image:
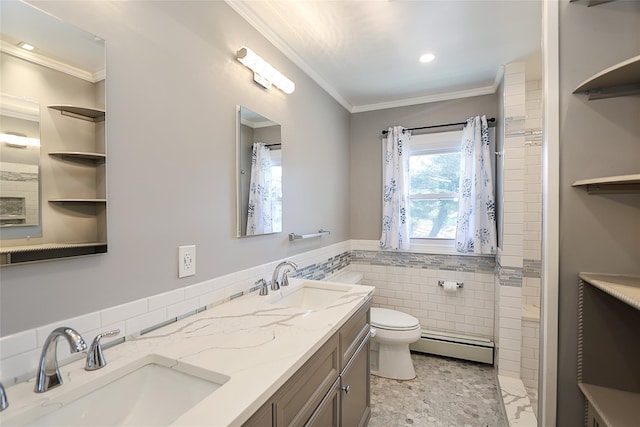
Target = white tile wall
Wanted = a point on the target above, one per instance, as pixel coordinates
(19, 353)
(509, 298)
(530, 353)
(470, 311)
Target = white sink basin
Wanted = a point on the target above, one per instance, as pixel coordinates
(154, 391)
(310, 295)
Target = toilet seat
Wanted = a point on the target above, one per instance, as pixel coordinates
(393, 320)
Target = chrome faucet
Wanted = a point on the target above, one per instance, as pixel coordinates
(275, 284)
(263, 287)
(3, 399)
(48, 375)
(95, 356)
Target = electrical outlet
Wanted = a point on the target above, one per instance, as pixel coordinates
(186, 261)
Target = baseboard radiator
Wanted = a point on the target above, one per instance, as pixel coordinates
(464, 347)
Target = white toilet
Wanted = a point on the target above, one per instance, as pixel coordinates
(394, 331)
(390, 355)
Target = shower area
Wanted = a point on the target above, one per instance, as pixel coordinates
(518, 264)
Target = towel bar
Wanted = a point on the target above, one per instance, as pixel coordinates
(320, 233)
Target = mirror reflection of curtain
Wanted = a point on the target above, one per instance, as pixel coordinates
(259, 216)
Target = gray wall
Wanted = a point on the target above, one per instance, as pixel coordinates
(598, 233)
(366, 151)
(173, 84)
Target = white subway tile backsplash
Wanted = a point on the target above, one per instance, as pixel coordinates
(145, 321)
(166, 299)
(124, 311)
(17, 343)
(19, 367)
(183, 307)
(81, 324)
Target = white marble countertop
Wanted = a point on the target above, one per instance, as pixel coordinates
(259, 346)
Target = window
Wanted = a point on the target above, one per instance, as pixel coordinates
(434, 170)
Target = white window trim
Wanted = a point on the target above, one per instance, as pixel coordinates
(439, 142)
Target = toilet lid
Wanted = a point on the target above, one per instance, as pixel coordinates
(385, 318)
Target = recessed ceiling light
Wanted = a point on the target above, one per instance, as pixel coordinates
(427, 57)
(26, 46)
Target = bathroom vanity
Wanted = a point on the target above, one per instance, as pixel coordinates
(298, 356)
(333, 386)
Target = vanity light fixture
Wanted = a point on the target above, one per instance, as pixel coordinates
(427, 57)
(26, 46)
(263, 73)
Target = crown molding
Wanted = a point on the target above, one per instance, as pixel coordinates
(446, 96)
(256, 22)
(51, 63)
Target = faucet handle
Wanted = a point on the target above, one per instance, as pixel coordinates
(264, 289)
(285, 278)
(4, 403)
(95, 357)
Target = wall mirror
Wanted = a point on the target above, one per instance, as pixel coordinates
(52, 145)
(19, 167)
(259, 174)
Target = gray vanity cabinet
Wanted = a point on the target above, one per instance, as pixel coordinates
(332, 388)
(355, 397)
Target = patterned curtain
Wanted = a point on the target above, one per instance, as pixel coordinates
(476, 227)
(395, 196)
(259, 216)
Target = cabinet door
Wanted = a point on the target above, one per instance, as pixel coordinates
(328, 413)
(262, 418)
(297, 400)
(355, 399)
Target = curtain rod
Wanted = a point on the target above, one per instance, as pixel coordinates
(490, 120)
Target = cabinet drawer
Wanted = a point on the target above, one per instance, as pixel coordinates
(353, 332)
(300, 396)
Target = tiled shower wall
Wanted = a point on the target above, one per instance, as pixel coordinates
(510, 258)
(533, 194)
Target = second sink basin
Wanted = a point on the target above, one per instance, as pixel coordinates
(310, 295)
(154, 391)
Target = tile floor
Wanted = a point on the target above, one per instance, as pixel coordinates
(446, 392)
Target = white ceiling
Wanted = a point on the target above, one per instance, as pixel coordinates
(58, 44)
(365, 53)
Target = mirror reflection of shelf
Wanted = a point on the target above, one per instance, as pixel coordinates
(622, 79)
(78, 200)
(96, 157)
(83, 113)
(594, 2)
(32, 253)
(611, 184)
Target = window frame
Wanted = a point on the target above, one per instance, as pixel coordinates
(434, 143)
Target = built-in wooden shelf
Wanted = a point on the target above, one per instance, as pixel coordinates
(84, 113)
(611, 184)
(622, 79)
(97, 157)
(625, 288)
(615, 407)
(594, 2)
(77, 200)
